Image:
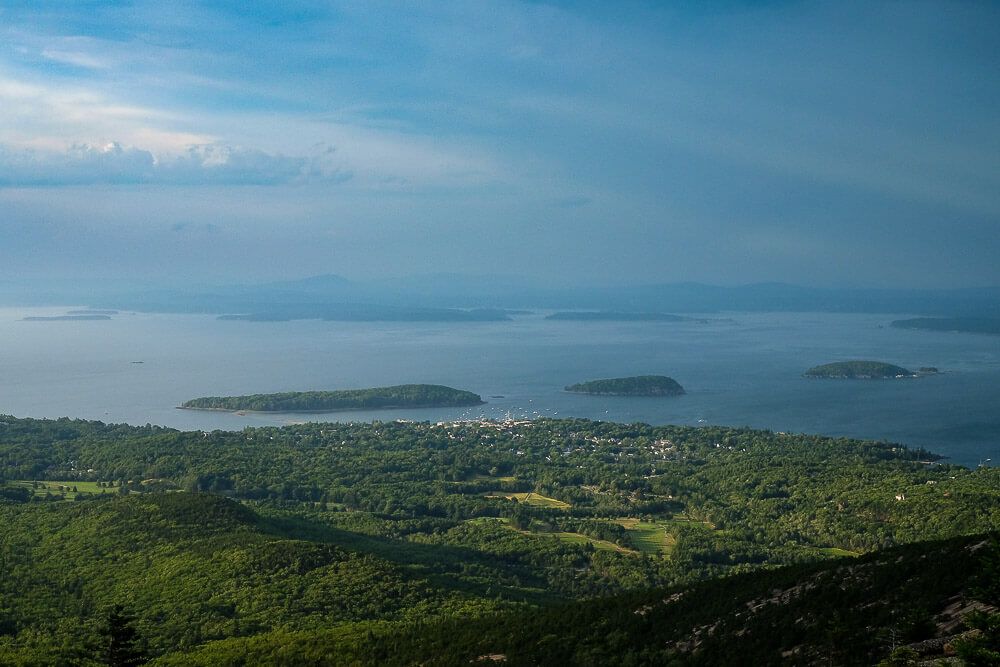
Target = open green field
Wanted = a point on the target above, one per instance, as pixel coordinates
(578, 538)
(488, 478)
(648, 537)
(69, 488)
(531, 498)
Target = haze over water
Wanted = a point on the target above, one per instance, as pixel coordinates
(740, 371)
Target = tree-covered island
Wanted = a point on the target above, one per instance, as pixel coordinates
(614, 316)
(641, 385)
(859, 370)
(377, 398)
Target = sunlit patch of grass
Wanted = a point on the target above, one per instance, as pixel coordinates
(531, 498)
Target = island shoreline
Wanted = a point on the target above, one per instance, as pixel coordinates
(330, 411)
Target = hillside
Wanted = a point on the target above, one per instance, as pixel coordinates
(399, 396)
(919, 602)
(196, 567)
(388, 537)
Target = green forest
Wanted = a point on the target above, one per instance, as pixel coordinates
(403, 543)
(399, 396)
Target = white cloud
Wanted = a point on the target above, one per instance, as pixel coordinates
(75, 58)
(36, 115)
(40, 120)
(114, 164)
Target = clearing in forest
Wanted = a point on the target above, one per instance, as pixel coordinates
(648, 537)
(531, 498)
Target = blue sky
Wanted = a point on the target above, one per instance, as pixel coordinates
(605, 143)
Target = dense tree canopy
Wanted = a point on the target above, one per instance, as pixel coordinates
(358, 533)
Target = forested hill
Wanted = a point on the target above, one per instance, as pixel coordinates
(640, 385)
(399, 396)
(902, 606)
(371, 537)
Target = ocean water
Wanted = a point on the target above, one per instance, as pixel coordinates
(742, 369)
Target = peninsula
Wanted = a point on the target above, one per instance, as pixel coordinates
(641, 385)
(378, 398)
(859, 370)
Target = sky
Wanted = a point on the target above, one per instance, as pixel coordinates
(818, 143)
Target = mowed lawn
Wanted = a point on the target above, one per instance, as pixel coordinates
(531, 498)
(69, 488)
(487, 478)
(577, 538)
(648, 537)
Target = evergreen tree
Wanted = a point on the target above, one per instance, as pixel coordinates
(121, 640)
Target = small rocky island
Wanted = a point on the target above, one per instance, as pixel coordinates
(859, 370)
(377, 398)
(641, 385)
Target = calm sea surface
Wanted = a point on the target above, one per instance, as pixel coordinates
(745, 371)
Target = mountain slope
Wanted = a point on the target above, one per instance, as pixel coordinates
(912, 602)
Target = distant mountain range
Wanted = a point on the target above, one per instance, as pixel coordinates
(453, 297)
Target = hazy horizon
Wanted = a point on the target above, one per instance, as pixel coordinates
(855, 144)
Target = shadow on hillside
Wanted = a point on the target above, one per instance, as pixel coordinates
(446, 566)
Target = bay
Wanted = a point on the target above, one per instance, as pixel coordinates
(739, 369)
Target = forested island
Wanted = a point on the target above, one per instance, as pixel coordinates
(65, 318)
(541, 542)
(859, 370)
(369, 313)
(613, 316)
(640, 385)
(377, 398)
(982, 325)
